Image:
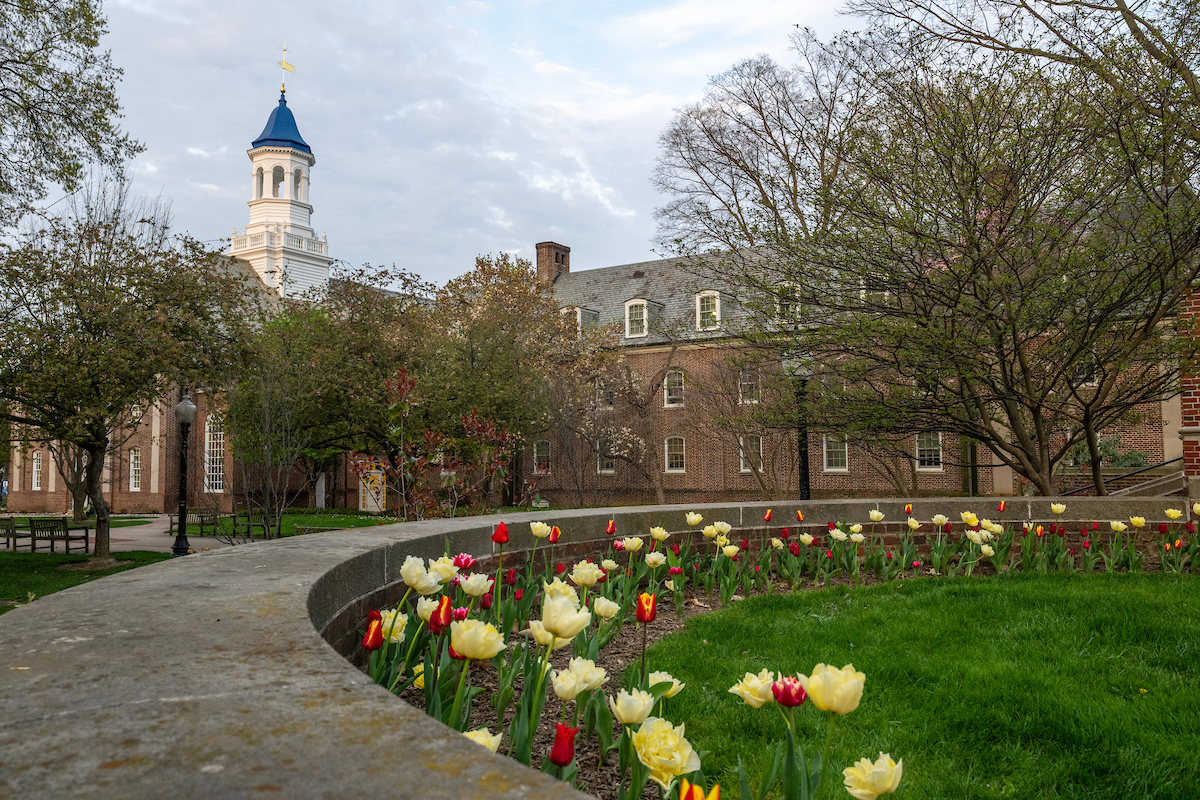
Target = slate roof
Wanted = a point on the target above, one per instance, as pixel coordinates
(281, 130)
(667, 282)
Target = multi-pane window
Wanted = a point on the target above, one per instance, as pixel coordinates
(36, 472)
(135, 469)
(837, 458)
(929, 451)
(750, 448)
(541, 457)
(214, 455)
(605, 463)
(673, 388)
(748, 386)
(708, 311)
(605, 397)
(635, 319)
(675, 461)
(785, 301)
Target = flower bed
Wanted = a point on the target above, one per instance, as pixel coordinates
(468, 633)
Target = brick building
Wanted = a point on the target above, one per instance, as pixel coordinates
(688, 392)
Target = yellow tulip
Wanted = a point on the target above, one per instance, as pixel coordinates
(664, 750)
(856, 528)
(539, 529)
(632, 544)
(836, 690)
(655, 560)
(606, 608)
(1117, 526)
(665, 677)
(475, 639)
(585, 573)
(566, 685)
(419, 672)
(484, 737)
(631, 708)
(913, 524)
(694, 519)
(722, 527)
(709, 532)
(562, 617)
(544, 637)
(755, 690)
(587, 674)
(806, 538)
(394, 625)
(876, 515)
(730, 550)
(1057, 508)
(1173, 513)
(939, 520)
(1137, 522)
(557, 588)
(866, 781)
(659, 534)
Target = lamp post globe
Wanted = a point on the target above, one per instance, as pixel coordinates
(185, 415)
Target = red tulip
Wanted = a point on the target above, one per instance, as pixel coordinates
(675, 550)
(611, 527)
(1163, 527)
(459, 614)
(442, 616)
(510, 577)
(373, 640)
(908, 508)
(618, 545)
(518, 594)
(767, 516)
(464, 561)
(757, 568)
(1072, 551)
(1001, 506)
(744, 544)
(485, 602)
(889, 555)
(1095, 526)
(916, 565)
(799, 515)
(647, 608)
(676, 570)
(692, 791)
(788, 692)
(832, 525)
(1178, 544)
(1087, 545)
(829, 554)
(1190, 527)
(561, 568)
(374, 616)
(1039, 530)
(1167, 547)
(563, 751)
(784, 533)
(794, 548)
(554, 534)
(501, 534)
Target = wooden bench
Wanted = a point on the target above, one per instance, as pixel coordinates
(207, 522)
(246, 523)
(12, 534)
(55, 530)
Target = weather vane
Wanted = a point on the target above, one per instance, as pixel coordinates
(286, 66)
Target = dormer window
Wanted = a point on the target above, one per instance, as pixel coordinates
(635, 318)
(573, 312)
(708, 311)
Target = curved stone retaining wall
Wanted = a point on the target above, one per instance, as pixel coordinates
(213, 676)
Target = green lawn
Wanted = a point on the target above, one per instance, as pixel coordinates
(1043, 686)
(39, 573)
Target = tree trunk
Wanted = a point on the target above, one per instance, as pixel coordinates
(1094, 455)
(95, 490)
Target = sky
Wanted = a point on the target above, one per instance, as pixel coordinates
(441, 131)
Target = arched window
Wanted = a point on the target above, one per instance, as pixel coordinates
(214, 455)
(541, 457)
(675, 460)
(297, 183)
(277, 176)
(258, 184)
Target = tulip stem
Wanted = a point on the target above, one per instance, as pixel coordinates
(644, 626)
(825, 755)
(500, 589)
(458, 695)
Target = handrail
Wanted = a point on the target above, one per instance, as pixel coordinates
(1126, 475)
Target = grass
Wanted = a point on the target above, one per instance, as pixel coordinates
(39, 573)
(116, 522)
(1043, 686)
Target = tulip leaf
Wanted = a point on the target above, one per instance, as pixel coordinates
(744, 781)
(768, 781)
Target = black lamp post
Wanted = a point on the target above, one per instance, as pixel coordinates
(185, 415)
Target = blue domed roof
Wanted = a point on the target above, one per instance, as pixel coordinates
(281, 130)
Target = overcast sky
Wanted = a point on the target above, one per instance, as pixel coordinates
(441, 130)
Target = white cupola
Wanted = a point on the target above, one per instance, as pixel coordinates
(279, 243)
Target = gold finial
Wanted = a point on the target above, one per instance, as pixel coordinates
(286, 66)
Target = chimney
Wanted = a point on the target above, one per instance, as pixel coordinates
(553, 259)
